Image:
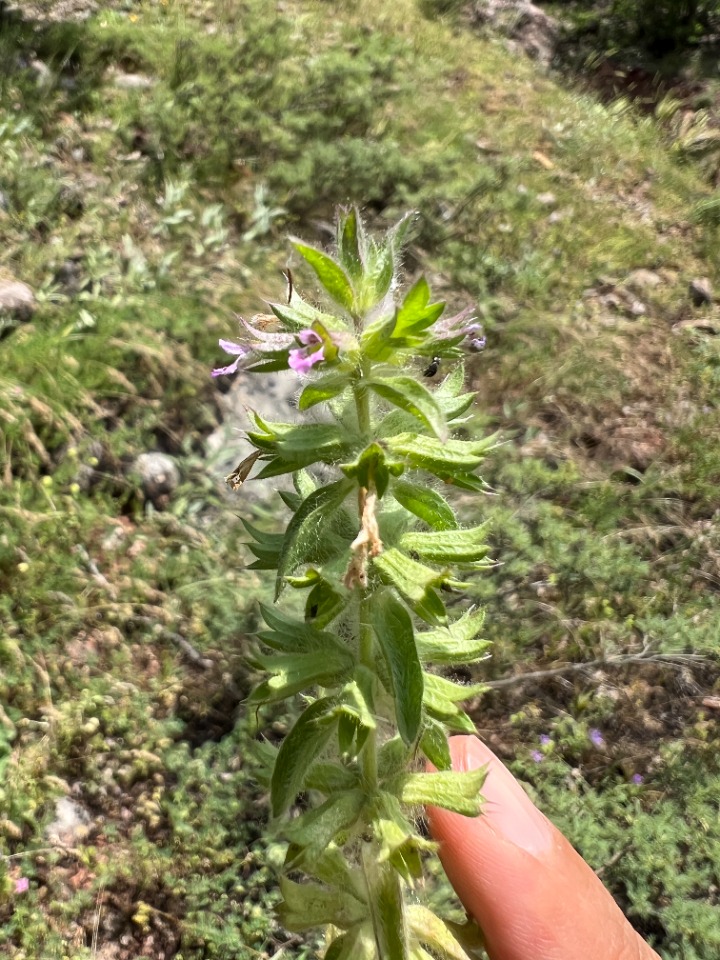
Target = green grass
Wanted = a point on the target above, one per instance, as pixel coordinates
(143, 217)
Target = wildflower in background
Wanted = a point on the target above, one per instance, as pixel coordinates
(22, 885)
(537, 756)
(463, 329)
(304, 358)
(596, 737)
(637, 779)
(234, 349)
(545, 740)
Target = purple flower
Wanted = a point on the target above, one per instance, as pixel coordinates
(637, 779)
(22, 885)
(234, 349)
(302, 360)
(462, 326)
(537, 756)
(545, 740)
(596, 737)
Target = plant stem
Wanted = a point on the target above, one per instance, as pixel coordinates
(367, 641)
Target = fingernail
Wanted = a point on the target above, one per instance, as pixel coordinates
(508, 811)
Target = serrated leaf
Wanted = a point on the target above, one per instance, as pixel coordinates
(330, 274)
(434, 744)
(453, 546)
(322, 390)
(413, 581)
(319, 504)
(298, 752)
(425, 503)
(440, 689)
(316, 828)
(456, 643)
(393, 628)
(414, 398)
(308, 905)
(306, 637)
(295, 672)
(459, 792)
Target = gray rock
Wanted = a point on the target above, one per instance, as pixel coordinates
(16, 300)
(640, 281)
(534, 30)
(701, 291)
(158, 475)
(547, 199)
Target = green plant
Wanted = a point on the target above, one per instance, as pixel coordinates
(371, 549)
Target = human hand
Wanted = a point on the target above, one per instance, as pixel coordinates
(532, 894)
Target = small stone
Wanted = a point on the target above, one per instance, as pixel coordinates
(133, 81)
(159, 475)
(701, 291)
(71, 823)
(547, 199)
(16, 299)
(640, 281)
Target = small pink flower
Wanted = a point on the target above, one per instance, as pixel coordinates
(537, 756)
(235, 350)
(22, 885)
(302, 360)
(545, 740)
(637, 779)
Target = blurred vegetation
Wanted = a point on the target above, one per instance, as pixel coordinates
(153, 156)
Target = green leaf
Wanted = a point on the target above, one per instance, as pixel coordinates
(435, 934)
(413, 581)
(299, 315)
(454, 546)
(456, 643)
(330, 274)
(350, 243)
(298, 751)
(411, 396)
(357, 944)
(308, 905)
(304, 637)
(425, 503)
(440, 689)
(322, 390)
(386, 906)
(431, 454)
(393, 628)
(330, 778)
(316, 828)
(317, 506)
(459, 792)
(379, 269)
(434, 744)
(294, 672)
(372, 469)
(324, 603)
